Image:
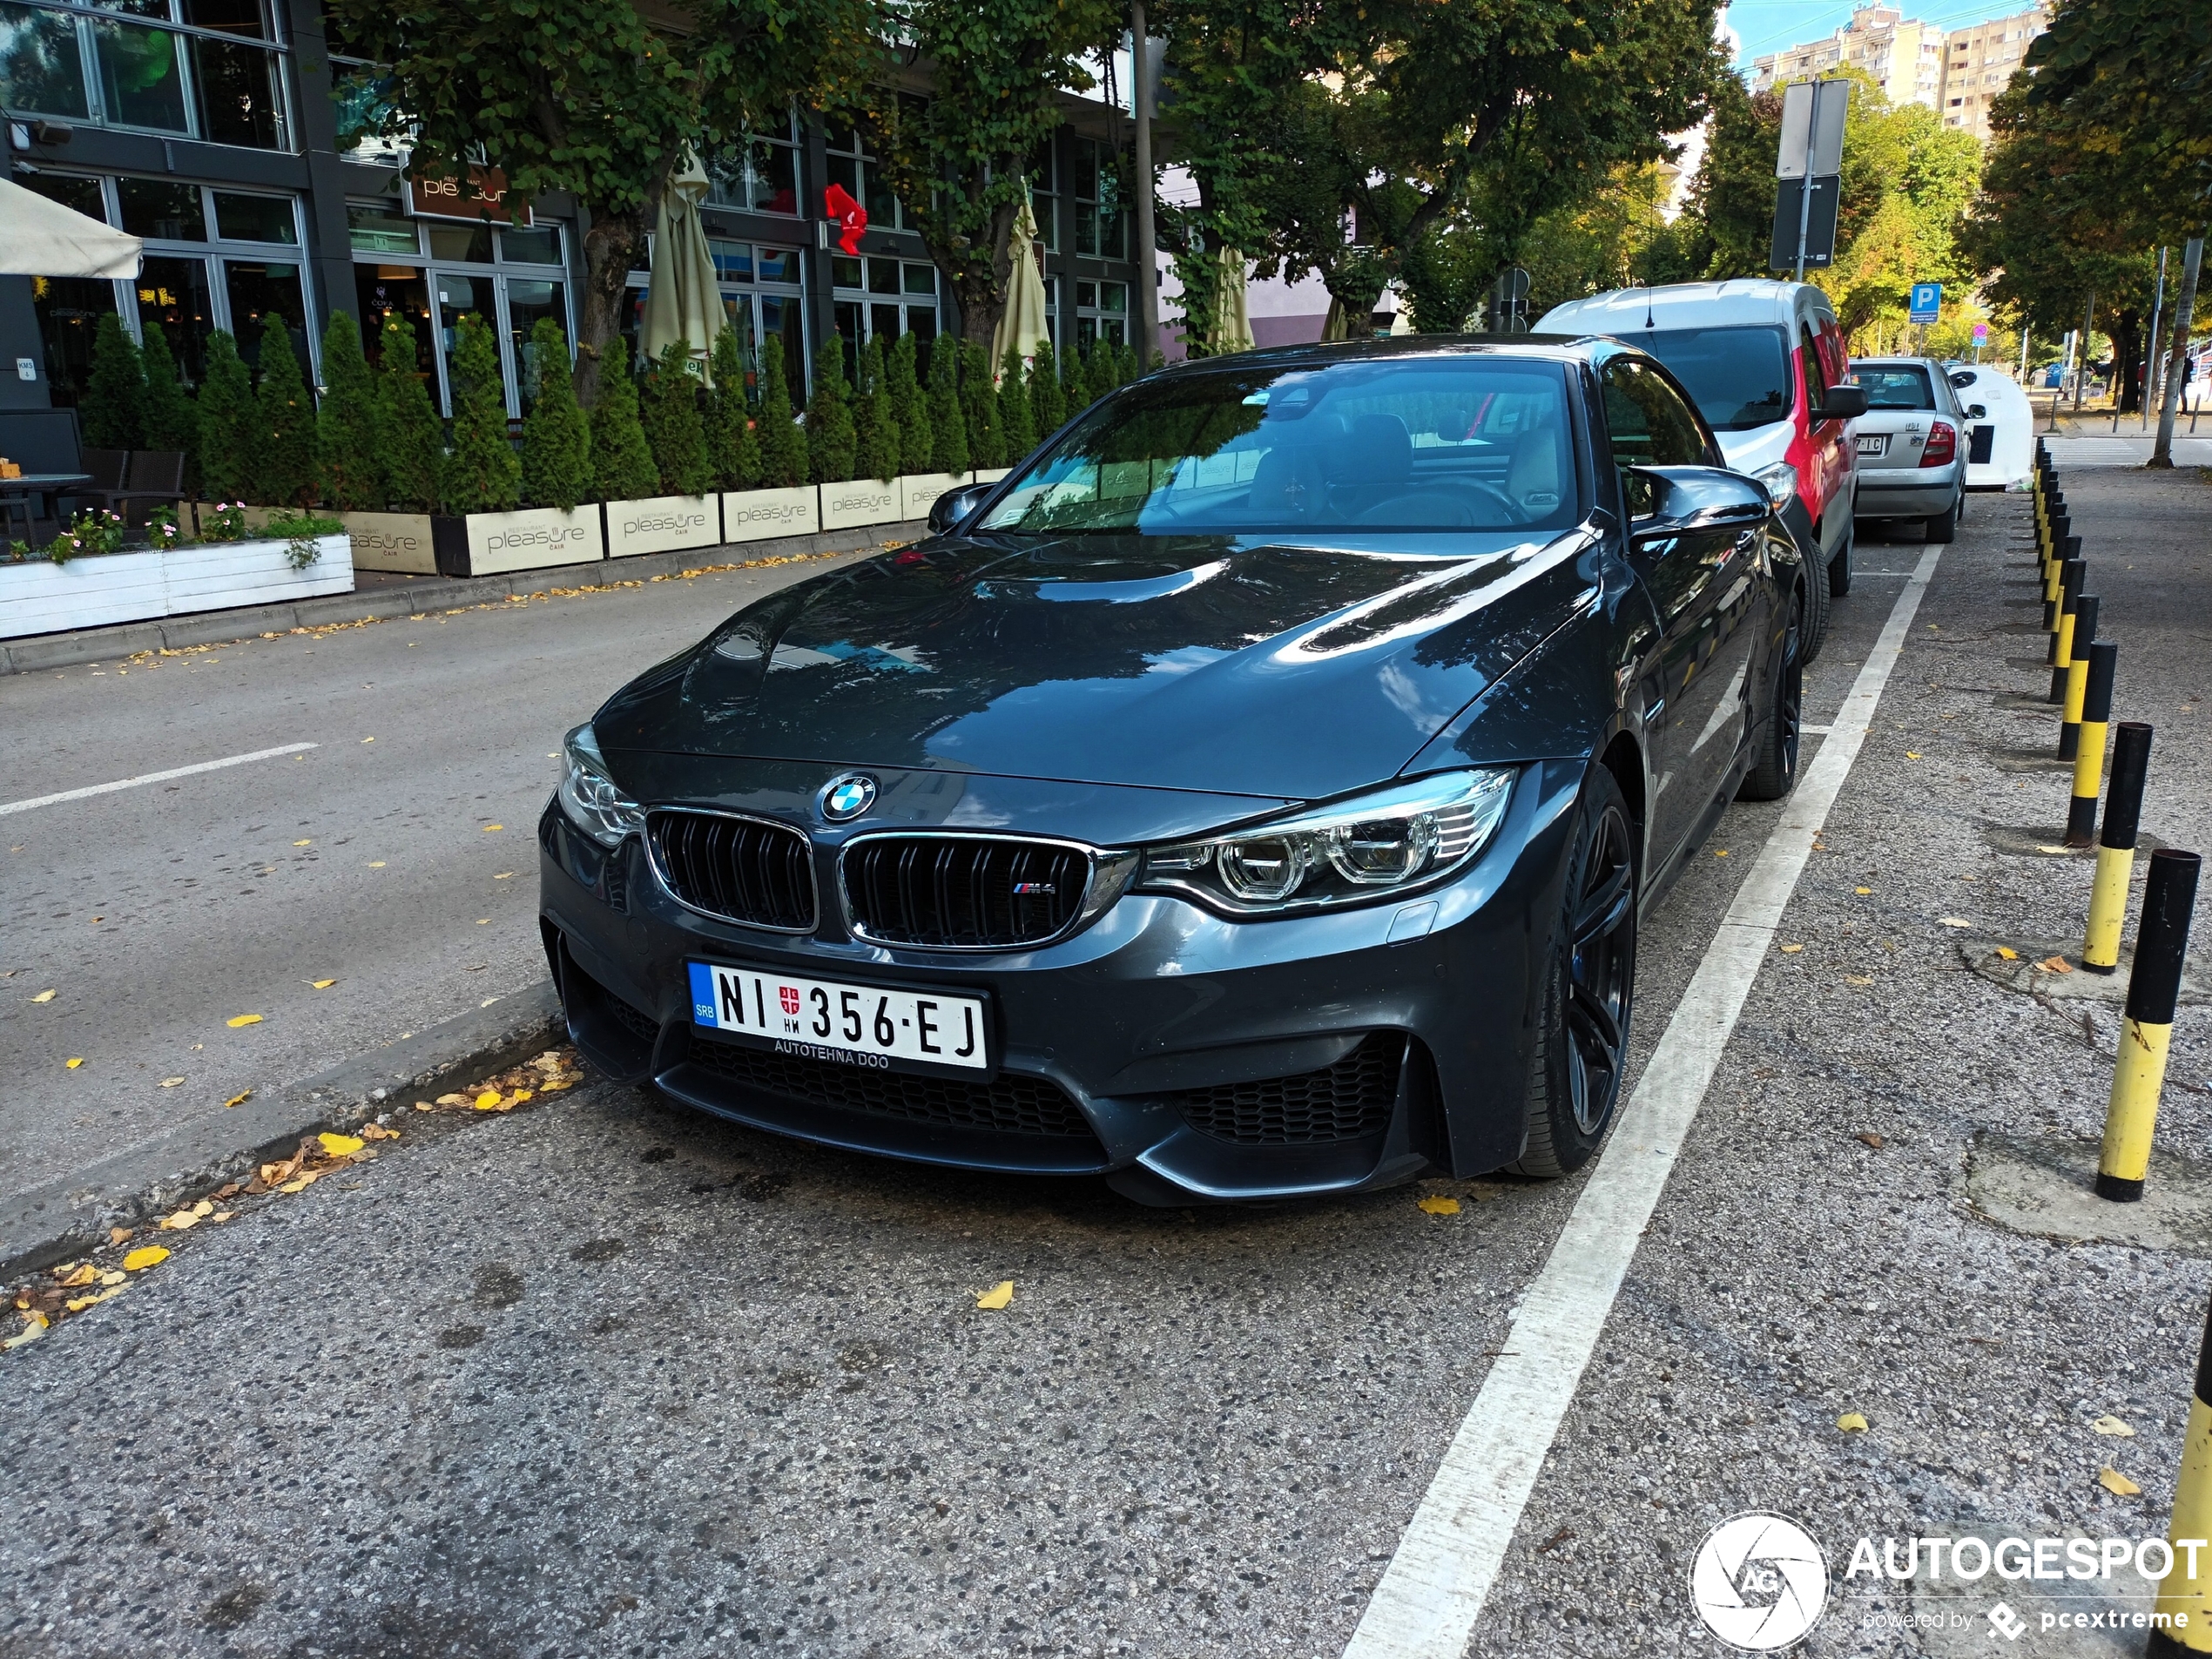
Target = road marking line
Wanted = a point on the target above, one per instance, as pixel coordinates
(1432, 1591)
(147, 778)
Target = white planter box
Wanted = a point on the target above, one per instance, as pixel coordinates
(863, 502)
(761, 515)
(45, 598)
(392, 541)
(534, 539)
(918, 491)
(664, 524)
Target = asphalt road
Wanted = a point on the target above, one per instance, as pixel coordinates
(157, 915)
(601, 1376)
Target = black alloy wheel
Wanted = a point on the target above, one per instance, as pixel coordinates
(1774, 770)
(1575, 1078)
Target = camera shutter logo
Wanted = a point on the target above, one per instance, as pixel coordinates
(847, 797)
(1759, 1581)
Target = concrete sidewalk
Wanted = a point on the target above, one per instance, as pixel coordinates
(382, 597)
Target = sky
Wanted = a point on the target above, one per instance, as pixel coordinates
(1764, 26)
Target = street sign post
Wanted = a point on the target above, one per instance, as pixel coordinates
(1927, 302)
(1804, 233)
(1809, 158)
(1510, 302)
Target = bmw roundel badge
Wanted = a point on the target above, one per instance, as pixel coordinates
(847, 797)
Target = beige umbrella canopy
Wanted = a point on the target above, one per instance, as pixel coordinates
(1334, 327)
(1232, 327)
(1022, 324)
(46, 238)
(683, 300)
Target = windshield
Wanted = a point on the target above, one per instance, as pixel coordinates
(1738, 377)
(1904, 386)
(1473, 442)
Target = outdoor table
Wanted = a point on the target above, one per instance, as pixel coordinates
(27, 494)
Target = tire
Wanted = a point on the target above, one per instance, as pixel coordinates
(1589, 989)
(1839, 568)
(1774, 772)
(1812, 632)
(1943, 527)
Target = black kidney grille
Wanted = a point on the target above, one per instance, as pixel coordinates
(1007, 1102)
(962, 892)
(1339, 1102)
(738, 868)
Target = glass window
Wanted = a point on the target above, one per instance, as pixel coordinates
(761, 174)
(255, 219)
(40, 69)
(381, 290)
(846, 317)
(883, 276)
(162, 209)
(1044, 199)
(73, 190)
(779, 264)
(885, 320)
(459, 295)
(142, 79)
(733, 260)
(540, 245)
(921, 279)
(262, 293)
(232, 17)
(736, 313)
(527, 301)
(380, 230)
(1739, 378)
(784, 320)
(68, 310)
(1650, 425)
(1904, 386)
(1411, 445)
(844, 270)
(238, 98)
(173, 296)
(469, 243)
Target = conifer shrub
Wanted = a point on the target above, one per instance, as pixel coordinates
(113, 415)
(978, 401)
(412, 444)
(482, 474)
(675, 431)
(783, 443)
(353, 477)
(947, 421)
(622, 461)
(878, 427)
(832, 436)
(1048, 402)
(172, 421)
(557, 439)
(733, 447)
(909, 410)
(1017, 410)
(284, 474)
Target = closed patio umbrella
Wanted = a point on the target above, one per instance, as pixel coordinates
(683, 300)
(46, 238)
(1232, 328)
(1022, 324)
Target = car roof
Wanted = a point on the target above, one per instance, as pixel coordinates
(1691, 304)
(1552, 349)
(1887, 363)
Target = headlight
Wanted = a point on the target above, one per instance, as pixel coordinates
(1781, 482)
(589, 797)
(1355, 851)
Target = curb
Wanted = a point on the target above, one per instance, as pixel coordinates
(54, 1221)
(426, 595)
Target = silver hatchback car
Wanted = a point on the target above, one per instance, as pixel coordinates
(1911, 445)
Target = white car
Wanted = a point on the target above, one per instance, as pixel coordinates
(1911, 444)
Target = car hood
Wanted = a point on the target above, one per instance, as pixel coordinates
(1237, 665)
(1757, 447)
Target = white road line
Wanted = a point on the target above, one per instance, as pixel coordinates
(1432, 1591)
(147, 778)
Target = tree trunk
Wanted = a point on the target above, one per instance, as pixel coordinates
(2128, 360)
(980, 289)
(2161, 453)
(610, 249)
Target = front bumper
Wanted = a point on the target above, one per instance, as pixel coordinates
(1908, 492)
(1158, 1047)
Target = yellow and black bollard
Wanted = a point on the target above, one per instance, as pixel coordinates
(2082, 740)
(2115, 844)
(2070, 684)
(2185, 1594)
(2062, 636)
(2154, 988)
(2055, 582)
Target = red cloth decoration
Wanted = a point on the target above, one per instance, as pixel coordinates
(837, 203)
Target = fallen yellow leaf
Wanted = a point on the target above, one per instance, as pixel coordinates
(240, 1099)
(488, 828)
(300, 1183)
(72, 1064)
(1436, 1206)
(997, 1297)
(2110, 1424)
(339, 1146)
(31, 1333)
(119, 1235)
(2008, 953)
(1953, 921)
(237, 1019)
(43, 996)
(521, 1095)
(1862, 892)
(322, 984)
(2055, 965)
(171, 1082)
(503, 875)
(84, 1275)
(1791, 950)
(424, 1106)
(1851, 1423)
(2059, 849)
(1720, 851)
(203, 1208)
(1858, 979)
(183, 1221)
(378, 865)
(144, 1257)
(112, 1278)
(222, 1215)
(1911, 754)
(303, 844)
(489, 1100)
(368, 740)
(2116, 1483)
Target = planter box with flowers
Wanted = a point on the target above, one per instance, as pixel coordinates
(86, 579)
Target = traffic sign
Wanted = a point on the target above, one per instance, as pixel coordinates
(1981, 333)
(1816, 222)
(1927, 301)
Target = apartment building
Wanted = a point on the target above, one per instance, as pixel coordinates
(1903, 56)
(1978, 62)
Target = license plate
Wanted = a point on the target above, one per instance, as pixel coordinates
(877, 1026)
(1873, 443)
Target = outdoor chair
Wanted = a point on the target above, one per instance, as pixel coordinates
(106, 467)
(152, 476)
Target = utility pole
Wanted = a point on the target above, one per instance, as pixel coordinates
(2081, 362)
(2150, 357)
(1147, 290)
(2161, 453)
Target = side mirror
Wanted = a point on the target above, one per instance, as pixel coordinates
(1977, 412)
(1842, 402)
(1668, 501)
(949, 508)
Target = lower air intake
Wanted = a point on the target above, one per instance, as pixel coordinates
(1339, 1102)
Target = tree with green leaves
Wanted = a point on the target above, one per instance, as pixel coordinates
(600, 98)
(958, 160)
(1048, 398)
(733, 447)
(622, 461)
(1017, 408)
(832, 441)
(874, 418)
(114, 412)
(346, 426)
(482, 474)
(412, 443)
(783, 443)
(947, 420)
(171, 421)
(229, 423)
(673, 426)
(284, 469)
(557, 439)
(909, 412)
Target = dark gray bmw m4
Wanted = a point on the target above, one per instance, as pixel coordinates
(1255, 793)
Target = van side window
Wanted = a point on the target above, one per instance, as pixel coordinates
(1646, 418)
(1815, 371)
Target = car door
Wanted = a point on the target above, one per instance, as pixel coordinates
(1701, 585)
(1832, 464)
